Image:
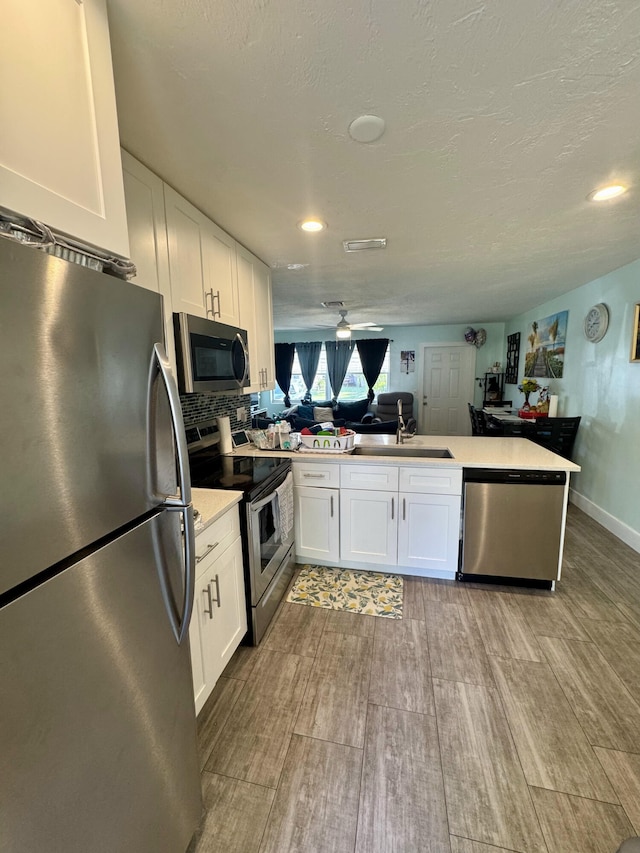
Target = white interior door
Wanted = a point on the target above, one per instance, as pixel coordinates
(447, 373)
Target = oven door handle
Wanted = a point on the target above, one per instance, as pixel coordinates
(258, 506)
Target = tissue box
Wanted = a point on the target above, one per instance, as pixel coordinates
(329, 442)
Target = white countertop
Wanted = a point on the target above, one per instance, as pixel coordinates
(468, 452)
(212, 503)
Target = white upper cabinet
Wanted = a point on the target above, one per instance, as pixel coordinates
(220, 275)
(202, 263)
(256, 316)
(59, 147)
(148, 235)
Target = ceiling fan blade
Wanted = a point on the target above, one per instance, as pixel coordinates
(364, 325)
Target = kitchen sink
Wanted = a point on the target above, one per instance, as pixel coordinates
(404, 450)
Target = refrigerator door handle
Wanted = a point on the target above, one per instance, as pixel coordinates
(184, 480)
(180, 625)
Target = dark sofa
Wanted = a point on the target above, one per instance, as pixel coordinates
(355, 415)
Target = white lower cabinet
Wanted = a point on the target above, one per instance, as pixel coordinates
(369, 526)
(219, 618)
(405, 517)
(317, 511)
(429, 531)
(317, 524)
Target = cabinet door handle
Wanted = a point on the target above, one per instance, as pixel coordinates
(331, 506)
(393, 508)
(209, 610)
(208, 551)
(215, 296)
(216, 581)
(208, 294)
(404, 509)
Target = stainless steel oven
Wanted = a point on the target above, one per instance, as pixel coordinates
(266, 517)
(270, 551)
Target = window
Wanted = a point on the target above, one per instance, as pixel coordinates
(354, 386)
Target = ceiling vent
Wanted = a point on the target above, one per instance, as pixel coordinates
(334, 306)
(362, 245)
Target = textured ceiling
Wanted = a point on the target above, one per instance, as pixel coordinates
(501, 117)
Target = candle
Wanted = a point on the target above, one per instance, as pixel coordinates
(553, 406)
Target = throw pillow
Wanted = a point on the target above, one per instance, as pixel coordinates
(305, 412)
(354, 411)
(323, 413)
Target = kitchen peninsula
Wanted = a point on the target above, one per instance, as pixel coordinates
(395, 507)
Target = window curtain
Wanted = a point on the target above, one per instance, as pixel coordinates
(338, 358)
(309, 356)
(372, 352)
(284, 368)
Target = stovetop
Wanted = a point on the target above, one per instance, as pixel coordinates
(210, 470)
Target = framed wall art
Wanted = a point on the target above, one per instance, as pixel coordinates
(545, 354)
(513, 358)
(635, 335)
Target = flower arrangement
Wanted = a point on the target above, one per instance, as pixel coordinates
(528, 386)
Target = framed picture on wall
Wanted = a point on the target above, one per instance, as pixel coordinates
(635, 335)
(513, 358)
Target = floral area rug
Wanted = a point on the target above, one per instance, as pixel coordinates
(372, 593)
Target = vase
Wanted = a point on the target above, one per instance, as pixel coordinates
(526, 407)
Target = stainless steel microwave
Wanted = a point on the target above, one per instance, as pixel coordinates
(210, 356)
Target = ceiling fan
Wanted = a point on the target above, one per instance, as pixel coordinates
(344, 328)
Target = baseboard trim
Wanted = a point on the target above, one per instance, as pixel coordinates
(627, 534)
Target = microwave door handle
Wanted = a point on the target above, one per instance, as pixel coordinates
(184, 479)
(246, 361)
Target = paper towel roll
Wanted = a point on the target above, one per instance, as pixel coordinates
(224, 428)
(553, 405)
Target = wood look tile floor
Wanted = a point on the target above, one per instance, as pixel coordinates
(490, 720)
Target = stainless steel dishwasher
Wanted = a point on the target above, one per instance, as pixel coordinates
(512, 525)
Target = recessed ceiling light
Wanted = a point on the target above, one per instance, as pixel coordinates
(312, 225)
(297, 266)
(605, 193)
(367, 128)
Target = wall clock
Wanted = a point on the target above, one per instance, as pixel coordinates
(596, 323)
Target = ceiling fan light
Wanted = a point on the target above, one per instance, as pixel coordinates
(343, 332)
(605, 193)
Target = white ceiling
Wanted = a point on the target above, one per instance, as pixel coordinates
(501, 117)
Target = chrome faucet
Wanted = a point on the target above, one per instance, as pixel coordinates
(402, 427)
(402, 432)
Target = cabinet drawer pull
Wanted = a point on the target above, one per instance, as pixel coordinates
(216, 581)
(393, 507)
(208, 551)
(209, 609)
(313, 476)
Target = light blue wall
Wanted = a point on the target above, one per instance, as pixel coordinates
(603, 386)
(410, 338)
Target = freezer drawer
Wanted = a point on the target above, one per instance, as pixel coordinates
(512, 530)
(97, 722)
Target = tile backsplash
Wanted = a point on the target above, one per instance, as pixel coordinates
(202, 407)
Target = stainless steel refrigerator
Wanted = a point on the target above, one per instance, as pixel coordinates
(97, 723)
